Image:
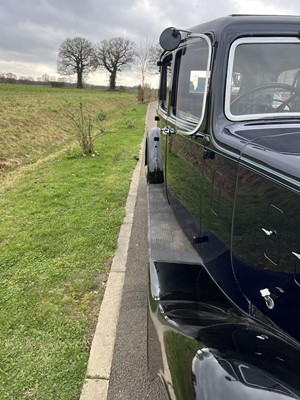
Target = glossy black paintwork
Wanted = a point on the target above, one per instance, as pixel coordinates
(273, 145)
(211, 333)
(212, 350)
(265, 201)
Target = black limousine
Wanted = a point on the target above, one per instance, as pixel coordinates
(223, 171)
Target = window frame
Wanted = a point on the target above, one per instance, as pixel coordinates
(183, 125)
(227, 106)
(164, 88)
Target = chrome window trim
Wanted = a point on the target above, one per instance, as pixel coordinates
(165, 110)
(180, 123)
(248, 117)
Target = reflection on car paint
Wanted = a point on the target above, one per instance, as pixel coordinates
(224, 216)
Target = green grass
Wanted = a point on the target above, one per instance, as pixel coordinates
(34, 121)
(59, 225)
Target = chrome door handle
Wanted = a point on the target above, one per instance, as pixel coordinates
(167, 130)
(268, 299)
(297, 255)
(268, 232)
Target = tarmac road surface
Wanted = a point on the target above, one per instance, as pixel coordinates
(128, 380)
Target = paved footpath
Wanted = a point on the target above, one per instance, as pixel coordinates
(117, 367)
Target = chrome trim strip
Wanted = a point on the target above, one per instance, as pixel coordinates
(180, 123)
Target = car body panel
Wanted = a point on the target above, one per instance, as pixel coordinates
(224, 242)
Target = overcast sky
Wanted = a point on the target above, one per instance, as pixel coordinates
(31, 31)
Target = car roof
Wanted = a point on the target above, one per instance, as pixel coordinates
(234, 26)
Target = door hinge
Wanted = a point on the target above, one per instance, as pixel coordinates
(269, 232)
(297, 255)
(209, 154)
(200, 239)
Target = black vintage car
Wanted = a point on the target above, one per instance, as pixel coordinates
(223, 169)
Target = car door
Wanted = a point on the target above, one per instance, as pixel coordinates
(265, 241)
(183, 150)
(200, 177)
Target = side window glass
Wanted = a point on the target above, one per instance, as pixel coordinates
(165, 82)
(263, 79)
(192, 77)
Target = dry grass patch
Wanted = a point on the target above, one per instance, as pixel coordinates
(34, 121)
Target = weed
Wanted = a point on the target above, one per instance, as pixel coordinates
(130, 124)
(84, 125)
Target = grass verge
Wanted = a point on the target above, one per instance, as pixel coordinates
(34, 119)
(59, 225)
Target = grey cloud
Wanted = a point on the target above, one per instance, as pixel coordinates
(32, 30)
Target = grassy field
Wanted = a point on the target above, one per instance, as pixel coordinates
(34, 119)
(59, 224)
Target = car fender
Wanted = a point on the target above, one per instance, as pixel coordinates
(153, 157)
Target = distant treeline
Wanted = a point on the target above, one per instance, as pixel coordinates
(8, 77)
(51, 81)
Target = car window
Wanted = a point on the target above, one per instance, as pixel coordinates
(165, 82)
(263, 79)
(192, 75)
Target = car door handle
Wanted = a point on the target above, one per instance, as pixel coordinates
(297, 255)
(268, 299)
(167, 130)
(268, 232)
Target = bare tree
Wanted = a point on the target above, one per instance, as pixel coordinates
(26, 79)
(146, 57)
(114, 55)
(11, 78)
(76, 56)
(45, 78)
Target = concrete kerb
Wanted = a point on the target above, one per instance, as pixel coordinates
(101, 354)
